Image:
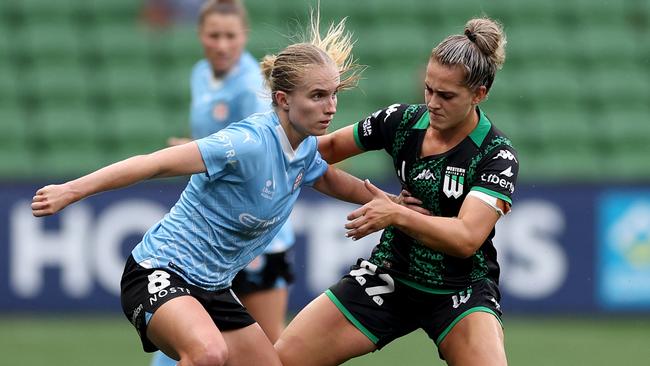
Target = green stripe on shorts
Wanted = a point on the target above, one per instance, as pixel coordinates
(461, 316)
(351, 317)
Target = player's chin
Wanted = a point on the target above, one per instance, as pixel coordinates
(321, 129)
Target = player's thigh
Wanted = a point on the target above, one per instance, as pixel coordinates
(477, 339)
(250, 346)
(321, 335)
(183, 328)
(269, 308)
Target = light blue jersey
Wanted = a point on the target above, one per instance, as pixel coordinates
(228, 215)
(218, 102)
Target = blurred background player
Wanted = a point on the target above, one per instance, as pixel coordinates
(227, 86)
(440, 272)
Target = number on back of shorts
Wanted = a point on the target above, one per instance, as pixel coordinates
(374, 291)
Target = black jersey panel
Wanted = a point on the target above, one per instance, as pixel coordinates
(377, 131)
(497, 173)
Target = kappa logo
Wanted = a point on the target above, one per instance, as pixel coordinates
(508, 172)
(505, 155)
(453, 182)
(390, 110)
(425, 175)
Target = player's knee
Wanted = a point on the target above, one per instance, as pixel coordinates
(208, 354)
(288, 349)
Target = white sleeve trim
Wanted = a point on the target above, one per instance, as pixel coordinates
(487, 199)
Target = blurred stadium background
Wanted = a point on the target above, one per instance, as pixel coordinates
(87, 83)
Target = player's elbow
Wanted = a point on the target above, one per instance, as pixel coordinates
(465, 247)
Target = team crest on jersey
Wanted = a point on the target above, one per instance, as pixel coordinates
(453, 183)
(296, 183)
(220, 111)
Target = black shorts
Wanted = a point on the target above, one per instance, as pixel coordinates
(385, 309)
(267, 271)
(145, 290)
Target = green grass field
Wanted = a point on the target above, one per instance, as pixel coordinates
(73, 340)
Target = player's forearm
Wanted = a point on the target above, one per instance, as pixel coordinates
(448, 235)
(341, 185)
(117, 175)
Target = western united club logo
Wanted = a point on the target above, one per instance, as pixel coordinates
(453, 183)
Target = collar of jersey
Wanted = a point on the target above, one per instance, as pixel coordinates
(477, 135)
(217, 83)
(284, 140)
(482, 128)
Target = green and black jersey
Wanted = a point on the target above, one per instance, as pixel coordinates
(484, 161)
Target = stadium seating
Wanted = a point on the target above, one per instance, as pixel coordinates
(84, 83)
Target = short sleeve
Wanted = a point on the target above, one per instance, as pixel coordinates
(233, 152)
(377, 131)
(497, 174)
(315, 170)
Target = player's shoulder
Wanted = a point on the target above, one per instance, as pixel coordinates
(487, 135)
(399, 114)
(200, 67)
(247, 60)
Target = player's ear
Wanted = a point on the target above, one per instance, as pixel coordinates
(479, 95)
(282, 99)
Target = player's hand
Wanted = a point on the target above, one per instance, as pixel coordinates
(51, 199)
(407, 200)
(373, 216)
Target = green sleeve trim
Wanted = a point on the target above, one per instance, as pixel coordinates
(461, 316)
(357, 140)
(351, 317)
(417, 286)
(493, 194)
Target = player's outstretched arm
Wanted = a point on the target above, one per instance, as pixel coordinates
(339, 184)
(457, 236)
(173, 161)
(338, 145)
